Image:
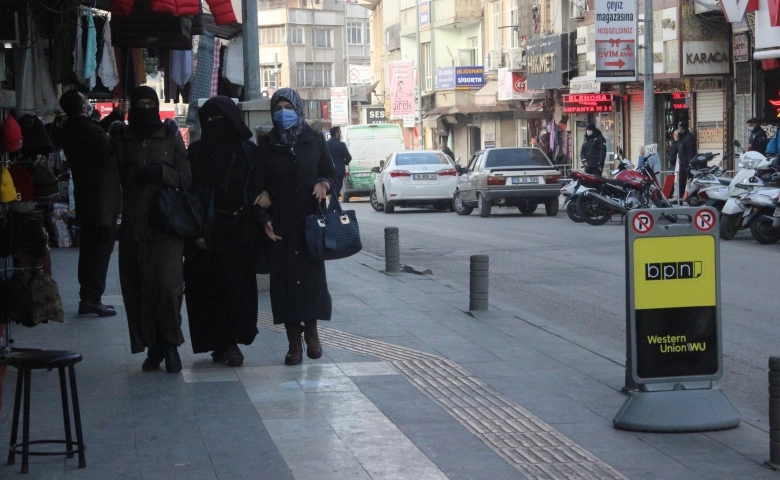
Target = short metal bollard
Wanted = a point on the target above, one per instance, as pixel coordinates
(392, 250)
(479, 282)
(774, 412)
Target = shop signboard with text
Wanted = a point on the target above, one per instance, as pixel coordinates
(401, 89)
(339, 105)
(460, 78)
(706, 58)
(587, 103)
(425, 13)
(616, 33)
(375, 115)
(549, 61)
(511, 85)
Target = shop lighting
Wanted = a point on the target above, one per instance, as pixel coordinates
(7, 45)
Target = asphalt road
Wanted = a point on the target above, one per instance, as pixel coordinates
(573, 276)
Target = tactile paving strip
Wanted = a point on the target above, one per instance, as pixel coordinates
(533, 447)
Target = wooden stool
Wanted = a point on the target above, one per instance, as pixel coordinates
(25, 363)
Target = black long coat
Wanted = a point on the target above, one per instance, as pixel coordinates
(299, 287)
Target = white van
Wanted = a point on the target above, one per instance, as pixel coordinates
(368, 145)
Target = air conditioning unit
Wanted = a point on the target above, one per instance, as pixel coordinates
(492, 61)
(516, 59)
(578, 9)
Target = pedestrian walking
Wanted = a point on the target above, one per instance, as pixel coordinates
(151, 158)
(757, 141)
(444, 148)
(97, 195)
(594, 150)
(297, 170)
(340, 155)
(219, 267)
(686, 150)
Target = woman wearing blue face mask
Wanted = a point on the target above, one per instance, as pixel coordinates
(298, 167)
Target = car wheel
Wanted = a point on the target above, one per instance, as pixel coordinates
(729, 226)
(387, 207)
(528, 208)
(458, 207)
(763, 233)
(483, 207)
(571, 211)
(551, 207)
(592, 212)
(374, 199)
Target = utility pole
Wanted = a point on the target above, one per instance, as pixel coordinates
(346, 49)
(419, 78)
(251, 50)
(649, 77)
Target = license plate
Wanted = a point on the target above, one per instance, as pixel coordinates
(424, 176)
(521, 180)
(360, 175)
(777, 212)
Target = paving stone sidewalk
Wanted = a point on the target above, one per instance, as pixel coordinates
(410, 387)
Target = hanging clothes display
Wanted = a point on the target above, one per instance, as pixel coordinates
(90, 52)
(221, 9)
(181, 67)
(107, 71)
(78, 51)
(203, 70)
(214, 91)
(34, 73)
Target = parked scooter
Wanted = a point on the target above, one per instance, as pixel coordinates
(762, 214)
(754, 169)
(703, 176)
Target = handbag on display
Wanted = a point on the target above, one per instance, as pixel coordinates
(332, 233)
(176, 211)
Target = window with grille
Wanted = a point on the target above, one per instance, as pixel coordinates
(272, 36)
(743, 78)
(295, 35)
(323, 38)
(355, 33)
(314, 75)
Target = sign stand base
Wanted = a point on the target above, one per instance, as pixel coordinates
(677, 411)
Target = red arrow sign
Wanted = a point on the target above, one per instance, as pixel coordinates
(619, 64)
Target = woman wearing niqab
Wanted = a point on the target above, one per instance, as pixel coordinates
(219, 270)
(298, 167)
(151, 158)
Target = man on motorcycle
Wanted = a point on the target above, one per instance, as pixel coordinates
(594, 150)
(685, 152)
(758, 139)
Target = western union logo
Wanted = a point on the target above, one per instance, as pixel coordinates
(675, 344)
(673, 270)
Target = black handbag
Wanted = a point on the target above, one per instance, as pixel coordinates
(332, 233)
(176, 211)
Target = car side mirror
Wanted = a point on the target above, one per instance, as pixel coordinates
(381, 164)
(460, 169)
(375, 169)
(737, 144)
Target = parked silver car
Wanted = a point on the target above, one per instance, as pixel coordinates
(521, 177)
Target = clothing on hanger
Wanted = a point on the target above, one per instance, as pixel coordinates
(181, 66)
(107, 71)
(78, 50)
(90, 52)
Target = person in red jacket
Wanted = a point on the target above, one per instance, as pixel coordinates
(221, 9)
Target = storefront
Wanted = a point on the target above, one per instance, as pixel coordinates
(586, 103)
(710, 114)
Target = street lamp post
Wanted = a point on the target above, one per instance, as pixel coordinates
(419, 78)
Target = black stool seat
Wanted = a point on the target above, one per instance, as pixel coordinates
(43, 359)
(25, 362)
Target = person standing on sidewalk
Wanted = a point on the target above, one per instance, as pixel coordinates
(685, 152)
(594, 150)
(219, 273)
(151, 158)
(340, 155)
(758, 139)
(298, 168)
(97, 195)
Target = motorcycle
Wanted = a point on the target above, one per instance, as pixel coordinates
(703, 177)
(630, 189)
(582, 182)
(762, 215)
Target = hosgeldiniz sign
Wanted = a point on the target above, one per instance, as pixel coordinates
(672, 295)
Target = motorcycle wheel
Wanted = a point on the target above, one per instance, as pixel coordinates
(592, 212)
(571, 211)
(764, 234)
(729, 226)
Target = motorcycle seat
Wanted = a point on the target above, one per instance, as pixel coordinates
(725, 181)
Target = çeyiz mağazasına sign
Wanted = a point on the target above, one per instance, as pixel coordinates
(587, 103)
(616, 31)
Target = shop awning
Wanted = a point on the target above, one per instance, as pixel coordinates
(469, 109)
(486, 96)
(430, 121)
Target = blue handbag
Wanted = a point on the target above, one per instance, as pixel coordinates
(332, 233)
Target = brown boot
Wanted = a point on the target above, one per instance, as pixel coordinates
(313, 345)
(295, 352)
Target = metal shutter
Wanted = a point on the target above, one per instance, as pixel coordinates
(709, 122)
(636, 119)
(508, 130)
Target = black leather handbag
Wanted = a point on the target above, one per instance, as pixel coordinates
(176, 212)
(332, 233)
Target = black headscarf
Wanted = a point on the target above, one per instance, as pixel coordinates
(290, 135)
(221, 139)
(144, 122)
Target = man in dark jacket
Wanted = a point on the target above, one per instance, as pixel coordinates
(594, 150)
(446, 150)
(685, 152)
(758, 139)
(97, 195)
(340, 155)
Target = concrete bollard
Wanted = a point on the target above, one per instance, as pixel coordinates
(774, 412)
(392, 250)
(479, 282)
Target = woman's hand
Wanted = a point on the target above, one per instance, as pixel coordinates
(269, 231)
(201, 243)
(263, 200)
(321, 191)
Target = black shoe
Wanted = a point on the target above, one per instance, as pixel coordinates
(219, 356)
(86, 308)
(154, 357)
(172, 359)
(234, 356)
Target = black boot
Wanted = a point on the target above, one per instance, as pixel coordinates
(234, 356)
(313, 345)
(172, 360)
(154, 357)
(295, 352)
(219, 356)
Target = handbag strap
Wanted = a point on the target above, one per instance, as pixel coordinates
(334, 206)
(181, 177)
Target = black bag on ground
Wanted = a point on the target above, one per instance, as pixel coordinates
(332, 233)
(176, 211)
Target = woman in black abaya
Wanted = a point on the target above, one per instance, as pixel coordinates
(219, 269)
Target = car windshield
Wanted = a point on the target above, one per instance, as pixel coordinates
(421, 159)
(517, 157)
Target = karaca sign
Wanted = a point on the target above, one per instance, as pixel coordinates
(706, 57)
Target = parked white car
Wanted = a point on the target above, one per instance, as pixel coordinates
(414, 178)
